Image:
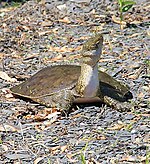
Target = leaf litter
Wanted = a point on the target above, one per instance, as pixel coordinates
(38, 33)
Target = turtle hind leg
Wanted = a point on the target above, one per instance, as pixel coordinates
(119, 106)
(60, 100)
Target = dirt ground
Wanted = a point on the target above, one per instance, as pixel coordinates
(37, 34)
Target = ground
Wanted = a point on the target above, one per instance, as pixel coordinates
(37, 34)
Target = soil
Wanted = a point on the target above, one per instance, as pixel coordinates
(37, 34)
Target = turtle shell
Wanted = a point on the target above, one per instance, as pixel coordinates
(54, 79)
(48, 81)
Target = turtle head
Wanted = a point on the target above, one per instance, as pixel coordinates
(92, 50)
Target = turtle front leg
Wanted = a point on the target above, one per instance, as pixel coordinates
(119, 106)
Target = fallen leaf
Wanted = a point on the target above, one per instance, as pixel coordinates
(133, 158)
(59, 57)
(22, 28)
(4, 147)
(46, 23)
(70, 155)
(106, 60)
(22, 39)
(100, 137)
(74, 56)
(39, 159)
(4, 76)
(32, 56)
(62, 49)
(5, 90)
(41, 33)
(62, 7)
(134, 35)
(94, 161)
(117, 20)
(7, 128)
(129, 158)
(63, 148)
(132, 77)
(52, 116)
(65, 20)
(2, 55)
(7, 9)
(116, 127)
(136, 73)
(136, 22)
(140, 95)
(75, 116)
(54, 149)
(9, 95)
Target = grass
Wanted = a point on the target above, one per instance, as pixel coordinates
(124, 6)
(147, 161)
(13, 3)
(82, 154)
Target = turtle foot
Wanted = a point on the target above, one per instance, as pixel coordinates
(119, 106)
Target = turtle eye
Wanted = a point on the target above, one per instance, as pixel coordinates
(94, 46)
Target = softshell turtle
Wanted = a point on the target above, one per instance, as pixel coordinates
(62, 85)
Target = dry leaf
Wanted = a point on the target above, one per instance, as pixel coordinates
(100, 137)
(46, 23)
(129, 158)
(133, 77)
(133, 158)
(38, 160)
(93, 161)
(81, 38)
(136, 73)
(40, 33)
(134, 35)
(64, 49)
(59, 57)
(70, 155)
(106, 60)
(32, 56)
(22, 39)
(4, 76)
(4, 147)
(16, 162)
(148, 32)
(8, 128)
(55, 149)
(47, 113)
(75, 116)
(61, 49)
(52, 115)
(9, 95)
(5, 90)
(74, 56)
(7, 9)
(117, 20)
(1, 55)
(62, 7)
(63, 148)
(65, 20)
(116, 127)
